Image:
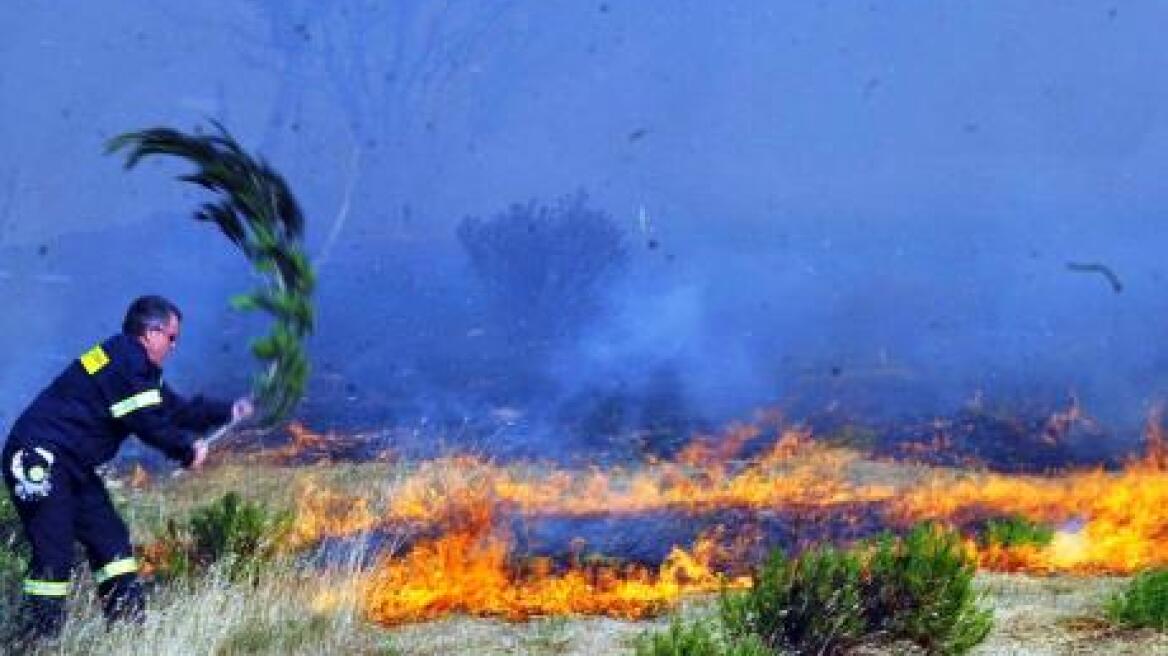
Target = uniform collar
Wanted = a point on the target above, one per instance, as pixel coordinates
(136, 353)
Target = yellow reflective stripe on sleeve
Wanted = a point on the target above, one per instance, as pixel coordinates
(116, 568)
(137, 402)
(94, 359)
(46, 588)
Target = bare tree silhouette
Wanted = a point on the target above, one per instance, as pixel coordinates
(387, 64)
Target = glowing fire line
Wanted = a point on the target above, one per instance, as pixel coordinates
(1108, 522)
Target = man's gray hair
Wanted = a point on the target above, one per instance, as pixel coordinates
(148, 312)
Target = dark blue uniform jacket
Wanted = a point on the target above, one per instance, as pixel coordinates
(108, 393)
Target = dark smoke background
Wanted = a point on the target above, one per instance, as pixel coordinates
(865, 206)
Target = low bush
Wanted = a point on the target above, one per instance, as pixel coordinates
(1144, 603)
(245, 534)
(920, 588)
(810, 604)
(13, 559)
(1016, 531)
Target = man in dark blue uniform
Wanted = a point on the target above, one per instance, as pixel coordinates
(77, 423)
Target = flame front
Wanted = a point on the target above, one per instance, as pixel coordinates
(471, 571)
(1106, 522)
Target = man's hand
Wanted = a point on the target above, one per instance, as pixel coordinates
(200, 448)
(241, 409)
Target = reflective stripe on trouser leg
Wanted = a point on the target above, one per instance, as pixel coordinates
(38, 588)
(42, 613)
(116, 568)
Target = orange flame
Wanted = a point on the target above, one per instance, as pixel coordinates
(470, 571)
(1112, 522)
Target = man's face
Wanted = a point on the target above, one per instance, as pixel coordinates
(161, 340)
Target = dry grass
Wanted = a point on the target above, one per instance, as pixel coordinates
(583, 636)
(279, 615)
(1059, 615)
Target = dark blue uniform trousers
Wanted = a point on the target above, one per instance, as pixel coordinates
(58, 504)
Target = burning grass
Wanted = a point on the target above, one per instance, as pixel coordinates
(1105, 521)
(465, 536)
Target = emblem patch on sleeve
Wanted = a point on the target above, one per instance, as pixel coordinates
(31, 468)
(94, 360)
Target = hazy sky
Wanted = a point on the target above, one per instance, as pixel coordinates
(853, 185)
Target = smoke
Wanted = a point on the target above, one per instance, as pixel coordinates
(832, 210)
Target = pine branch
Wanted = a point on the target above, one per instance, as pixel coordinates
(256, 210)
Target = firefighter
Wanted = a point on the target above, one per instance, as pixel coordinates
(76, 424)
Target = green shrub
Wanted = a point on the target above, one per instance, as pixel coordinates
(1014, 531)
(1144, 603)
(917, 588)
(920, 588)
(230, 529)
(13, 558)
(810, 604)
(699, 638)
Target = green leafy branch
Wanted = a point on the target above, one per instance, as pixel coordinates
(258, 213)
